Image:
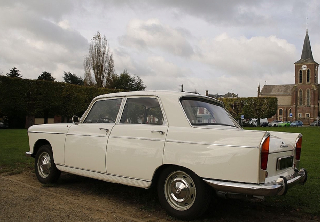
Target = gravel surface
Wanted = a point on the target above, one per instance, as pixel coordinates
(74, 198)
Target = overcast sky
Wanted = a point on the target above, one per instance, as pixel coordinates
(220, 46)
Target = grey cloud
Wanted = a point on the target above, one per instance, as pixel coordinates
(33, 41)
(227, 12)
(47, 9)
(132, 41)
(148, 34)
(42, 29)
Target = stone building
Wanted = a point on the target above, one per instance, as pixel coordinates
(298, 101)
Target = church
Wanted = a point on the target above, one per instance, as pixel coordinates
(299, 101)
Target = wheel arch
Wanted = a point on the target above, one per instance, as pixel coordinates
(160, 169)
(38, 144)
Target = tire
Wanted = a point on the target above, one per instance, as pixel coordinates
(182, 193)
(46, 170)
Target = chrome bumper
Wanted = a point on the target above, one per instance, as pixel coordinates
(278, 187)
(28, 154)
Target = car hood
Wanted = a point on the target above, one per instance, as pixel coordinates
(56, 128)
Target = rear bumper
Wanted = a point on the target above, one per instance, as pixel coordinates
(278, 187)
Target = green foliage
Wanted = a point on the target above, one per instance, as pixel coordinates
(14, 72)
(234, 106)
(126, 82)
(251, 107)
(46, 76)
(13, 145)
(22, 97)
(99, 69)
(72, 79)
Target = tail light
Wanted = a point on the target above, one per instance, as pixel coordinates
(298, 148)
(265, 153)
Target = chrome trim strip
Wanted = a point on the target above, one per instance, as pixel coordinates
(74, 134)
(274, 188)
(106, 176)
(137, 138)
(44, 132)
(208, 144)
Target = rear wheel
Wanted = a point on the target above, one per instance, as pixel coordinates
(182, 193)
(46, 170)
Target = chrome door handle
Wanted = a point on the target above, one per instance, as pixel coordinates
(157, 131)
(107, 130)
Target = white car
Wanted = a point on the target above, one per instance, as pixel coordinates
(187, 145)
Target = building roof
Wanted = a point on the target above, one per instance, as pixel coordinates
(277, 90)
(306, 55)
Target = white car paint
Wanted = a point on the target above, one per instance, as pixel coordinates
(131, 153)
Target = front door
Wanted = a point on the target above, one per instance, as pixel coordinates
(135, 147)
(86, 143)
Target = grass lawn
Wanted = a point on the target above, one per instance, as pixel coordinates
(13, 146)
(304, 199)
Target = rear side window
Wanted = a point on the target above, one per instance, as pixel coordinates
(144, 110)
(104, 111)
(202, 112)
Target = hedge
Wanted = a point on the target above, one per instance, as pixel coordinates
(251, 107)
(24, 97)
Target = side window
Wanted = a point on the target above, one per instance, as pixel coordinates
(104, 111)
(142, 110)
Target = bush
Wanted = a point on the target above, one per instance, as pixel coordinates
(23, 97)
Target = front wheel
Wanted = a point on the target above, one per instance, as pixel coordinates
(46, 170)
(182, 193)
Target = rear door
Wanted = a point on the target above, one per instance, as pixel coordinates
(135, 147)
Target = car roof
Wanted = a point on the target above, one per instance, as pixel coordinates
(169, 100)
(159, 93)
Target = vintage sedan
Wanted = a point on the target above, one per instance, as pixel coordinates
(186, 145)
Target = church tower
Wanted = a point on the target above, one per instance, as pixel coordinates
(305, 98)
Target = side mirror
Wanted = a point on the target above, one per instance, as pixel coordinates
(75, 120)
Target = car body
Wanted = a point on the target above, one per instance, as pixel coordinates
(275, 123)
(297, 123)
(187, 145)
(315, 123)
(263, 122)
(284, 124)
(3, 125)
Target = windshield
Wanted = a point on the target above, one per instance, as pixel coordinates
(203, 112)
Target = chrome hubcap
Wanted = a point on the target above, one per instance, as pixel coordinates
(180, 190)
(44, 164)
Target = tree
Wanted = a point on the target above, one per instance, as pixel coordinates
(126, 82)
(72, 78)
(46, 76)
(14, 72)
(97, 61)
(110, 75)
(251, 107)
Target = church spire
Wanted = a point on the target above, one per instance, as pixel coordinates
(306, 55)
